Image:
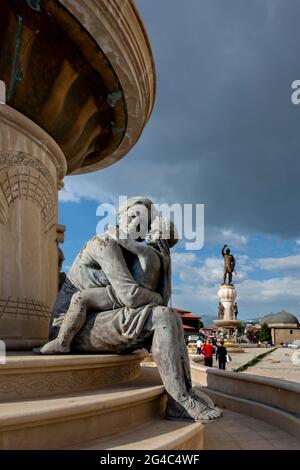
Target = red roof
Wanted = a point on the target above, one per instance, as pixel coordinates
(185, 327)
(179, 310)
(189, 315)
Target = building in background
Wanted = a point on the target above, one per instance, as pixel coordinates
(191, 322)
(284, 327)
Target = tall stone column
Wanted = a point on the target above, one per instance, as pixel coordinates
(32, 167)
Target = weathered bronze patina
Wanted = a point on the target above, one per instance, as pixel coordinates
(57, 75)
(229, 264)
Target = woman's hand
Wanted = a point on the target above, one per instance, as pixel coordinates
(148, 239)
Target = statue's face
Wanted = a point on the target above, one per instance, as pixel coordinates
(134, 222)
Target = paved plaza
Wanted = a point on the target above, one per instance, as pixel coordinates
(236, 431)
(278, 364)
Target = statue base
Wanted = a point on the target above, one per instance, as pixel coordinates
(228, 327)
(232, 324)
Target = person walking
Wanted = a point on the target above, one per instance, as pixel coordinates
(199, 345)
(207, 350)
(221, 355)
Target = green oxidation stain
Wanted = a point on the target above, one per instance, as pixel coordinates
(34, 4)
(112, 98)
(117, 130)
(16, 72)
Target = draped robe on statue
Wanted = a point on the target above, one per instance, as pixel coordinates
(128, 326)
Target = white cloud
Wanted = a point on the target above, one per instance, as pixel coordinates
(279, 264)
(212, 270)
(282, 289)
(182, 260)
(208, 272)
(193, 271)
(237, 240)
(200, 279)
(234, 239)
(200, 299)
(68, 194)
(85, 187)
(255, 297)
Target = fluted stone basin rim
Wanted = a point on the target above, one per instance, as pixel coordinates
(83, 71)
(118, 29)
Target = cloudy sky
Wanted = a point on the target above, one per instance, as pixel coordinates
(224, 133)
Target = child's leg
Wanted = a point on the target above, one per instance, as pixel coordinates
(75, 318)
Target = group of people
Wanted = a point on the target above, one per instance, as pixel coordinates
(208, 349)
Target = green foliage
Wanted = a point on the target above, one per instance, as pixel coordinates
(253, 361)
(264, 334)
(252, 335)
(200, 324)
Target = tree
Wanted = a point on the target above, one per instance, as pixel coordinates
(264, 334)
(252, 335)
(200, 324)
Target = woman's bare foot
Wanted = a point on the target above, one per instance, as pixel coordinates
(55, 347)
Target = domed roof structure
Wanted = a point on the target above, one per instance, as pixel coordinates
(280, 317)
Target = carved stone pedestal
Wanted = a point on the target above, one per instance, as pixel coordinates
(228, 322)
(32, 167)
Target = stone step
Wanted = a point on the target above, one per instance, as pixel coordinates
(28, 376)
(238, 431)
(56, 422)
(157, 434)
